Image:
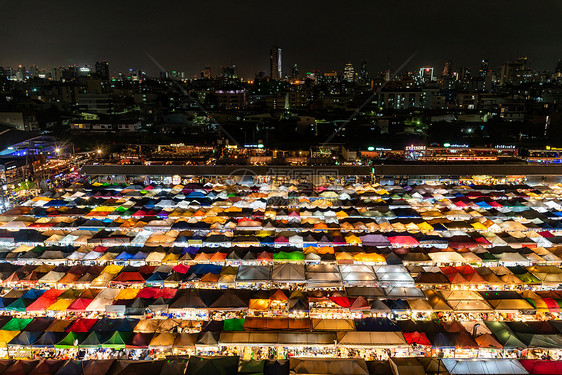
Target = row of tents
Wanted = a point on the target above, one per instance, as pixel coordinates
(295, 366)
(53, 254)
(99, 232)
(310, 276)
(131, 333)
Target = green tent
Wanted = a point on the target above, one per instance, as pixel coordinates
(19, 305)
(505, 336)
(251, 367)
(233, 325)
(127, 213)
(212, 366)
(528, 278)
(70, 341)
(16, 324)
(91, 341)
(487, 257)
(291, 255)
(117, 340)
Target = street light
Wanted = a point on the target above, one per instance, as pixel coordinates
(57, 150)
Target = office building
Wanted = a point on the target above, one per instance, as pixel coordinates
(275, 67)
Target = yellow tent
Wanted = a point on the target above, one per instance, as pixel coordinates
(352, 239)
(479, 226)
(61, 305)
(425, 226)
(112, 269)
(6, 337)
(369, 258)
(128, 293)
(344, 257)
(259, 304)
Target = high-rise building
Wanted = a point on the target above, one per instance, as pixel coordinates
(447, 69)
(102, 70)
(275, 68)
(387, 75)
(21, 73)
(295, 72)
(514, 72)
(348, 72)
(176, 74)
(558, 70)
(363, 73)
(426, 74)
(229, 71)
(484, 68)
(206, 73)
(33, 71)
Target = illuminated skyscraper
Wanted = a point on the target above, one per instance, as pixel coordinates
(426, 74)
(484, 68)
(275, 64)
(206, 73)
(349, 72)
(448, 69)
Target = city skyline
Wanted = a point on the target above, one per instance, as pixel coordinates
(316, 38)
(287, 70)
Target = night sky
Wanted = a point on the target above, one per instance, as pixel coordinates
(324, 35)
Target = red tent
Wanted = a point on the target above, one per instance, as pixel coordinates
(148, 293)
(341, 301)
(128, 278)
(552, 305)
(465, 269)
(538, 366)
(416, 338)
(180, 268)
(403, 241)
(167, 293)
(46, 300)
(81, 325)
(449, 270)
(79, 305)
(265, 256)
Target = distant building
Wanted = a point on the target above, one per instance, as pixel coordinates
(20, 120)
(402, 99)
(484, 68)
(275, 67)
(175, 74)
(363, 73)
(426, 74)
(206, 73)
(295, 72)
(447, 69)
(95, 103)
(229, 72)
(105, 126)
(515, 72)
(102, 70)
(349, 72)
(231, 99)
